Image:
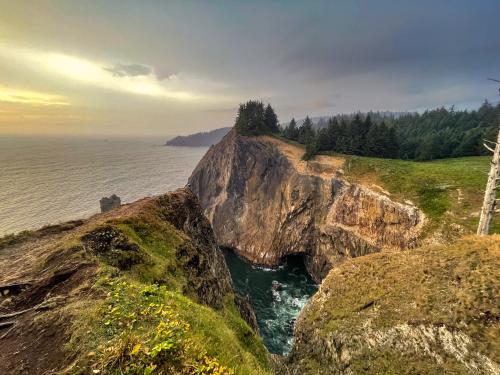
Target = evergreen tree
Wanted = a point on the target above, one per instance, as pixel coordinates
(253, 119)
(391, 143)
(306, 131)
(437, 133)
(374, 141)
(323, 141)
(343, 143)
(364, 128)
(333, 133)
(250, 118)
(271, 120)
(470, 144)
(311, 147)
(357, 136)
(291, 131)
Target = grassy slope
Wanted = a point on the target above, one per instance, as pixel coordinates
(133, 325)
(449, 191)
(453, 286)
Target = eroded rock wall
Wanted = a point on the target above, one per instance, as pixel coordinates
(265, 207)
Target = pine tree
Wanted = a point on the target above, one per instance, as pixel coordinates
(357, 136)
(291, 131)
(333, 133)
(391, 143)
(271, 120)
(250, 118)
(363, 133)
(311, 147)
(306, 131)
(373, 145)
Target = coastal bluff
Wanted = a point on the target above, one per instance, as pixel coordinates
(265, 202)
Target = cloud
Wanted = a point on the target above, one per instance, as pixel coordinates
(12, 95)
(129, 70)
(131, 78)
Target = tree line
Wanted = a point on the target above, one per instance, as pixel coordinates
(433, 134)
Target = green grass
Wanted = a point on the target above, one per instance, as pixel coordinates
(140, 328)
(449, 191)
(441, 286)
(144, 319)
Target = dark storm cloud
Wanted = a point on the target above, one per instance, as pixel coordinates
(130, 70)
(429, 37)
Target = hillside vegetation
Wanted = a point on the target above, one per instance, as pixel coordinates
(449, 191)
(432, 310)
(139, 290)
(435, 134)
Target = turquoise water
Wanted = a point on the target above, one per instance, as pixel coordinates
(276, 307)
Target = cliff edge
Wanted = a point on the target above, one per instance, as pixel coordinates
(265, 202)
(432, 310)
(143, 288)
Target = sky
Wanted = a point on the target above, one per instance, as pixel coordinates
(162, 68)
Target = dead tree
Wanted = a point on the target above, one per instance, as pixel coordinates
(490, 194)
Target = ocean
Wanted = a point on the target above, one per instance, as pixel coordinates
(47, 180)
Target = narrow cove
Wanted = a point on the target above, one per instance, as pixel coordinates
(276, 294)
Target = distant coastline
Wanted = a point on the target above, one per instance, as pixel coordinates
(202, 139)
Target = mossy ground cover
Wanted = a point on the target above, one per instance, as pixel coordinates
(455, 287)
(147, 329)
(142, 321)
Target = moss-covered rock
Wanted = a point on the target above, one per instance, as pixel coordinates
(432, 310)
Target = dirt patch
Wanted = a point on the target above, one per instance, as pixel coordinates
(322, 165)
(34, 343)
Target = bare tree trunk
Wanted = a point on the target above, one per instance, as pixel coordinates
(490, 193)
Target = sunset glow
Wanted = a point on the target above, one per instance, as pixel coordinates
(11, 95)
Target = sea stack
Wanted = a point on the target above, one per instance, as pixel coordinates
(107, 204)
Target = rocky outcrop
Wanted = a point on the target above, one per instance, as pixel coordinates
(266, 203)
(203, 261)
(110, 203)
(433, 310)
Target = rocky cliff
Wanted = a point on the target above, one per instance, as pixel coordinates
(142, 287)
(265, 202)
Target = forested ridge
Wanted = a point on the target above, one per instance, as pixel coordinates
(433, 134)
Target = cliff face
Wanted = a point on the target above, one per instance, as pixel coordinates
(108, 284)
(266, 203)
